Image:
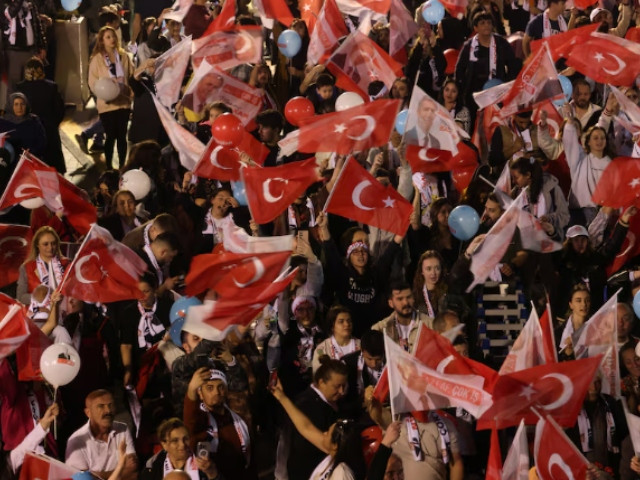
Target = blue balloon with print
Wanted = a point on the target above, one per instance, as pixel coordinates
(239, 192)
(567, 89)
(636, 304)
(492, 82)
(463, 222)
(181, 306)
(289, 43)
(71, 5)
(401, 121)
(432, 12)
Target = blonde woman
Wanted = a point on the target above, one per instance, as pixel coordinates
(108, 60)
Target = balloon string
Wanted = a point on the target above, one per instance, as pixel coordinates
(55, 419)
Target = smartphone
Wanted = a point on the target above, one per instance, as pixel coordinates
(273, 378)
(303, 239)
(203, 360)
(202, 449)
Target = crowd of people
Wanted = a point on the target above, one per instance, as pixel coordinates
(290, 395)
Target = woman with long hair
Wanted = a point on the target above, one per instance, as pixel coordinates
(341, 342)
(579, 311)
(450, 98)
(440, 237)
(429, 286)
(45, 264)
(109, 60)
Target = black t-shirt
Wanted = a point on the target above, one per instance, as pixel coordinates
(535, 28)
(130, 320)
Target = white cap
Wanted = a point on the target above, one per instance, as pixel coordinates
(577, 231)
(594, 13)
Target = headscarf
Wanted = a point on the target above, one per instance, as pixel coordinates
(11, 117)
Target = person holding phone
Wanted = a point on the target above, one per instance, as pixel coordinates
(218, 217)
(176, 455)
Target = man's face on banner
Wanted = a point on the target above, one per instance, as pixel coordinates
(208, 85)
(426, 112)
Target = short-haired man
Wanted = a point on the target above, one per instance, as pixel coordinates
(158, 255)
(402, 325)
(548, 23)
(270, 123)
(94, 446)
(145, 234)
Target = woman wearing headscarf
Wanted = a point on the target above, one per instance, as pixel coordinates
(47, 103)
(25, 129)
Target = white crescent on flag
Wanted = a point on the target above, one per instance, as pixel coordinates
(267, 193)
(357, 192)
(80, 263)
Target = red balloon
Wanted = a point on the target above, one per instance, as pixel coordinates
(371, 438)
(451, 55)
(298, 108)
(462, 177)
(227, 130)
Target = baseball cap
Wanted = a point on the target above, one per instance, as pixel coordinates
(577, 231)
(594, 13)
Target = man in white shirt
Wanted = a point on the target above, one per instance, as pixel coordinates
(94, 446)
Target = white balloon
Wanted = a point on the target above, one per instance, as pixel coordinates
(106, 89)
(137, 182)
(32, 203)
(59, 364)
(348, 100)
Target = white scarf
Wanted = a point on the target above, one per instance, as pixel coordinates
(190, 468)
(445, 440)
(119, 72)
(241, 430)
(337, 352)
(546, 24)
(324, 469)
(149, 326)
(493, 66)
(154, 262)
(293, 222)
(427, 301)
(145, 235)
(586, 432)
(25, 22)
(306, 345)
(413, 437)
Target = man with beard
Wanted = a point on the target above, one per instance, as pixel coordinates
(584, 111)
(94, 446)
(402, 325)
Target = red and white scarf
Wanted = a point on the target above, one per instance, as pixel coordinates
(546, 24)
(148, 326)
(47, 277)
(190, 468)
(493, 65)
(238, 424)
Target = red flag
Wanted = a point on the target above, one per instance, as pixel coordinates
(228, 273)
(14, 328)
(561, 43)
(528, 350)
(456, 8)
(274, 9)
(356, 129)
(619, 185)
(517, 461)
(381, 391)
(357, 7)
(494, 465)
(28, 354)
(225, 20)
(329, 28)
(359, 196)
(633, 34)
(583, 4)
(227, 48)
(555, 454)
(554, 119)
(401, 27)
(14, 248)
(630, 246)
(309, 11)
(33, 178)
(536, 82)
(271, 190)
(557, 388)
(430, 160)
(606, 58)
(256, 150)
(359, 61)
(548, 336)
(104, 270)
(42, 467)
(219, 163)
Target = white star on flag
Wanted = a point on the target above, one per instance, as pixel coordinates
(634, 183)
(307, 8)
(339, 128)
(389, 202)
(599, 57)
(528, 392)
(9, 254)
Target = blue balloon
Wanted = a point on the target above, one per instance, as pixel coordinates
(82, 476)
(71, 5)
(567, 88)
(180, 307)
(176, 330)
(463, 222)
(432, 12)
(239, 192)
(289, 43)
(636, 304)
(559, 102)
(493, 82)
(401, 121)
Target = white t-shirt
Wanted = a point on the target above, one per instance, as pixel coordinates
(85, 452)
(341, 472)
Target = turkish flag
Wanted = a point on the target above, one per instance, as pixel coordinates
(630, 246)
(309, 11)
(536, 82)
(630, 121)
(357, 7)
(494, 465)
(402, 27)
(34, 179)
(329, 28)
(555, 455)
(561, 43)
(619, 185)
(456, 8)
(225, 20)
(431, 160)
(360, 197)
(355, 129)
(556, 388)
(516, 464)
(271, 190)
(228, 273)
(548, 336)
(219, 163)
(14, 243)
(104, 270)
(256, 150)
(527, 351)
(358, 61)
(606, 58)
(274, 9)
(228, 48)
(42, 467)
(29, 352)
(14, 328)
(554, 119)
(242, 308)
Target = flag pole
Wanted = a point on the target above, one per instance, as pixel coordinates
(335, 184)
